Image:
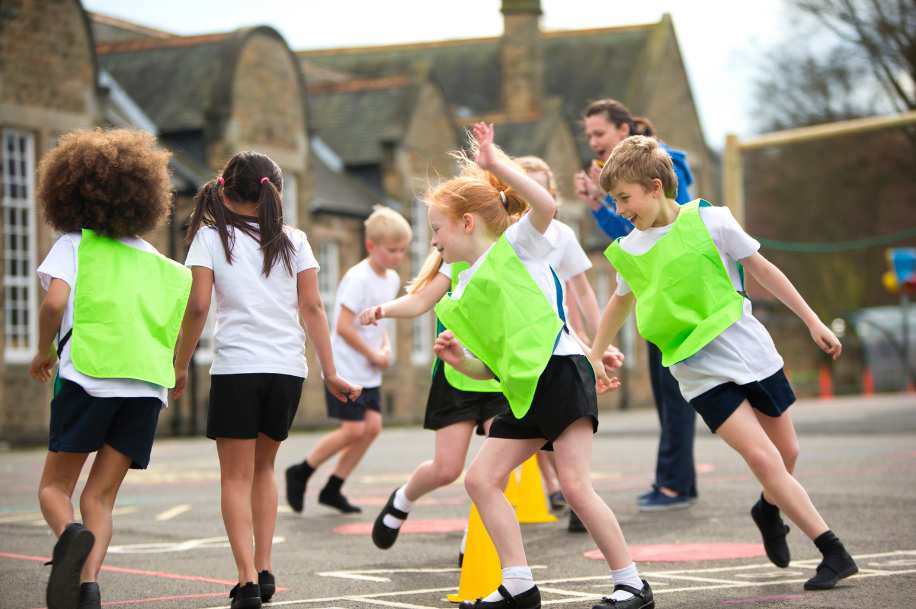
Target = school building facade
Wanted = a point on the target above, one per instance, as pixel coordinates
(350, 127)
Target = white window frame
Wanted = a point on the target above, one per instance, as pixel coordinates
(23, 175)
(329, 275)
(290, 199)
(421, 327)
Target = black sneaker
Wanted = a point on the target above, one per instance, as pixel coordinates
(70, 552)
(338, 502)
(557, 501)
(90, 596)
(383, 536)
(641, 599)
(460, 559)
(529, 599)
(268, 585)
(245, 597)
(832, 569)
(296, 480)
(773, 531)
(575, 525)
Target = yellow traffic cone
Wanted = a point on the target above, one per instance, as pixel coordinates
(532, 501)
(481, 572)
(511, 491)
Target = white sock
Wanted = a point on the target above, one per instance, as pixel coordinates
(516, 580)
(464, 539)
(402, 503)
(629, 575)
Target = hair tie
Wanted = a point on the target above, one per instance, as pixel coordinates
(220, 180)
(502, 197)
(264, 179)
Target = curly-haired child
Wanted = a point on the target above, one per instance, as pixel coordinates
(115, 305)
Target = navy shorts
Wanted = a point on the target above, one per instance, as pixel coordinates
(81, 423)
(369, 399)
(772, 396)
(565, 393)
(244, 405)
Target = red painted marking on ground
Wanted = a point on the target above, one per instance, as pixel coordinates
(753, 600)
(683, 552)
(159, 598)
(442, 525)
(162, 574)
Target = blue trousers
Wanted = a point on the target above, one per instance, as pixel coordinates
(674, 467)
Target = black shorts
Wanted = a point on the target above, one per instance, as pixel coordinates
(772, 396)
(447, 405)
(81, 423)
(565, 393)
(244, 405)
(369, 399)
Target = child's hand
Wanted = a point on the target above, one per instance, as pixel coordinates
(603, 382)
(381, 358)
(371, 316)
(824, 338)
(486, 153)
(448, 349)
(612, 358)
(42, 363)
(341, 389)
(181, 382)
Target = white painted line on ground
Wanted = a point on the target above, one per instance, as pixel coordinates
(706, 580)
(372, 601)
(553, 590)
(172, 512)
(20, 517)
(373, 575)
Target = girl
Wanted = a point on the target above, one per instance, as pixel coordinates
(680, 268)
(101, 189)
(507, 310)
(266, 281)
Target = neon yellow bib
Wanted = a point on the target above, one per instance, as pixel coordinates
(684, 296)
(127, 311)
(505, 320)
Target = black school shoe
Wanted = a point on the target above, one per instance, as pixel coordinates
(296, 481)
(773, 531)
(337, 501)
(90, 596)
(268, 585)
(383, 536)
(529, 599)
(642, 599)
(575, 525)
(70, 552)
(245, 597)
(832, 569)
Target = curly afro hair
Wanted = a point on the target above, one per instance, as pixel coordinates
(115, 182)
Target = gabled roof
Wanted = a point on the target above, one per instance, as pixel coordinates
(112, 29)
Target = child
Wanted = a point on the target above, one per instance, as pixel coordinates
(101, 189)
(266, 283)
(680, 267)
(507, 309)
(361, 352)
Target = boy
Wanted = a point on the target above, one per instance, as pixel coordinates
(680, 267)
(361, 353)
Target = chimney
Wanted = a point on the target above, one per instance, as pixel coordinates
(522, 58)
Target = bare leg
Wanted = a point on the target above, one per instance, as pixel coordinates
(744, 432)
(96, 503)
(548, 471)
(264, 501)
(354, 452)
(574, 460)
(236, 464)
(332, 443)
(782, 432)
(58, 479)
(452, 444)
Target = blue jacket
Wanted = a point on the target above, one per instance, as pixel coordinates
(615, 225)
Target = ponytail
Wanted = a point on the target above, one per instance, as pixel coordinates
(275, 242)
(427, 273)
(210, 211)
(643, 126)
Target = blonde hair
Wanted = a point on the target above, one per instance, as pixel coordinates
(473, 191)
(384, 223)
(639, 160)
(535, 164)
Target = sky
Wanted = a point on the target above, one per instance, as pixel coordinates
(720, 40)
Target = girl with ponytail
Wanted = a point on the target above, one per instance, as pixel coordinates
(265, 277)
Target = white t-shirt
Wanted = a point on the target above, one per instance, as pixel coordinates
(534, 250)
(61, 263)
(567, 257)
(361, 288)
(257, 317)
(744, 352)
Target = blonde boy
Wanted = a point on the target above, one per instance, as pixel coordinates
(361, 354)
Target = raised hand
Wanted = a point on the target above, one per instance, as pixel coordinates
(486, 152)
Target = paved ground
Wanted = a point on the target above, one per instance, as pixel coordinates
(858, 463)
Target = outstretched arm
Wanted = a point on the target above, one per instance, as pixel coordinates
(409, 306)
(776, 283)
(543, 206)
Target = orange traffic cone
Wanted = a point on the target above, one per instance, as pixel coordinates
(532, 505)
(481, 571)
(868, 382)
(825, 380)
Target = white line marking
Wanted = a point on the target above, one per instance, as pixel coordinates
(21, 517)
(172, 512)
(360, 599)
(566, 592)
